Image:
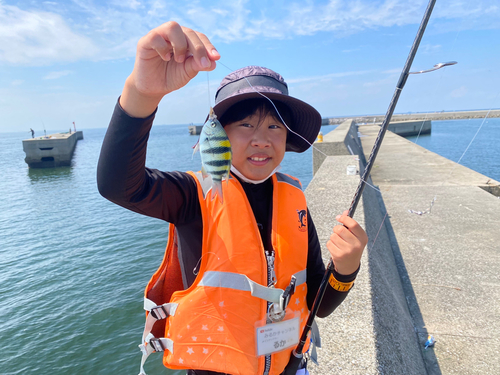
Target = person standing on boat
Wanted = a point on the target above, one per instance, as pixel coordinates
(233, 270)
(32, 133)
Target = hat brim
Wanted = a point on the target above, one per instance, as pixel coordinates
(305, 124)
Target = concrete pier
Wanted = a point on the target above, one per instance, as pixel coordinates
(343, 140)
(195, 129)
(423, 272)
(442, 115)
(55, 150)
(407, 128)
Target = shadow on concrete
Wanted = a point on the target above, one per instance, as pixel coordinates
(492, 189)
(386, 327)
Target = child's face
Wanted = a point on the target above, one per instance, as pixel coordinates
(258, 148)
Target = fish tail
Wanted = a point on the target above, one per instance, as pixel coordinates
(196, 147)
(204, 172)
(217, 189)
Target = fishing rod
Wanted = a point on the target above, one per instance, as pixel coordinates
(297, 355)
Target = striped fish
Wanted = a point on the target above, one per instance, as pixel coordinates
(215, 151)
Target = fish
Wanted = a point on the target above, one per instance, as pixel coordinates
(216, 154)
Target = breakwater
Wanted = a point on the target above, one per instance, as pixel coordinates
(431, 265)
(442, 115)
(74, 265)
(55, 150)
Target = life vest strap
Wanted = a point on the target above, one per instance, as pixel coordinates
(242, 282)
(152, 344)
(156, 312)
(160, 311)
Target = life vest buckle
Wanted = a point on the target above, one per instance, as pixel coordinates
(159, 312)
(157, 344)
(288, 293)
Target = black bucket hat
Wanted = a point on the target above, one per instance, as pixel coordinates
(244, 83)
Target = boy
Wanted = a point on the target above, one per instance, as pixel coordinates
(234, 269)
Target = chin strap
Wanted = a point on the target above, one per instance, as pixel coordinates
(240, 175)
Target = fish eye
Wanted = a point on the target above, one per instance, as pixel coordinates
(213, 125)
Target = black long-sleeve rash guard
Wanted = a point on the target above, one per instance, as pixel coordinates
(123, 178)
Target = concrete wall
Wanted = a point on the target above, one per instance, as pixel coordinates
(430, 273)
(407, 128)
(448, 250)
(372, 331)
(344, 140)
(341, 141)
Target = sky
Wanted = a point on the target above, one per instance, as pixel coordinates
(66, 61)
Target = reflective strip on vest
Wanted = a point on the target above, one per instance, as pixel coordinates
(214, 326)
(242, 282)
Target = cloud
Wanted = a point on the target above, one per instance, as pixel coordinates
(430, 49)
(459, 93)
(351, 50)
(230, 21)
(393, 71)
(37, 38)
(328, 77)
(83, 29)
(132, 4)
(56, 75)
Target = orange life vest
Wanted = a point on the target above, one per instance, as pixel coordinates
(212, 324)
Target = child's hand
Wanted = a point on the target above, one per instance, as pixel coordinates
(167, 58)
(346, 244)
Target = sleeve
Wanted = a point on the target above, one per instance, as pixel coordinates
(122, 176)
(315, 273)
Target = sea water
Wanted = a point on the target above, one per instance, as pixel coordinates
(73, 266)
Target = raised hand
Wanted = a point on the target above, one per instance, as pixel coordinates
(167, 58)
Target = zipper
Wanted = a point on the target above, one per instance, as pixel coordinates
(271, 280)
(271, 274)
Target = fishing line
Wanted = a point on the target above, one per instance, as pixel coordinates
(208, 90)
(437, 88)
(475, 135)
(378, 232)
(316, 148)
(469, 6)
(370, 185)
(276, 109)
(457, 162)
(324, 154)
(421, 127)
(452, 49)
